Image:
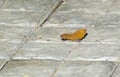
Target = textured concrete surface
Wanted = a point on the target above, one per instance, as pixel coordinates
(32, 68)
(17, 19)
(80, 13)
(44, 68)
(31, 44)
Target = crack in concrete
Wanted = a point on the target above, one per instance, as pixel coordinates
(114, 69)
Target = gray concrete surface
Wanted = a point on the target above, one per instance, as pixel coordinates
(30, 42)
(17, 18)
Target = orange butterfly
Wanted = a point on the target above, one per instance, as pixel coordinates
(77, 35)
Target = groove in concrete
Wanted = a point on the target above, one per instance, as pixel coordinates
(114, 69)
(59, 66)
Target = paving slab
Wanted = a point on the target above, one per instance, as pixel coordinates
(17, 18)
(95, 52)
(85, 69)
(42, 50)
(80, 13)
(31, 68)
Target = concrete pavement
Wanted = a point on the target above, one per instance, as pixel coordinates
(31, 44)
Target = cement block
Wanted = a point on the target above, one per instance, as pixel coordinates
(85, 69)
(43, 50)
(31, 68)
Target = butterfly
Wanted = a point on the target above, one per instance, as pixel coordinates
(77, 35)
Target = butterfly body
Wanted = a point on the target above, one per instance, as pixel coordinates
(77, 35)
